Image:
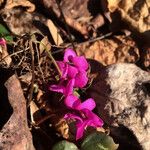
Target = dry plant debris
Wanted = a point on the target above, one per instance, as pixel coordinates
(136, 13)
(24, 3)
(78, 14)
(110, 51)
(15, 133)
(41, 31)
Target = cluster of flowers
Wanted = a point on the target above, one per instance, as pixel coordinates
(74, 76)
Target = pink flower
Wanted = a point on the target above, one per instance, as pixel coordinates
(2, 42)
(63, 87)
(85, 119)
(74, 102)
(74, 73)
(74, 66)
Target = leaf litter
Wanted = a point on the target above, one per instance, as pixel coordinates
(39, 33)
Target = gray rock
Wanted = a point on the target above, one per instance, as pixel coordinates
(122, 94)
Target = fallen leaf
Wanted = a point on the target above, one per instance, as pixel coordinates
(15, 133)
(79, 15)
(136, 13)
(110, 51)
(24, 3)
(54, 32)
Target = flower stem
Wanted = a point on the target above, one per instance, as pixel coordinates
(51, 57)
(54, 62)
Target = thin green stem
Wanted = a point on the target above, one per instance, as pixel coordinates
(54, 62)
(51, 57)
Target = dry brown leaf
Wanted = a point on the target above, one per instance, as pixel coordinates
(110, 51)
(24, 3)
(79, 14)
(136, 13)
(21, 22)
(15, 133)
(4, 56)
(54, 32)
(1, 1)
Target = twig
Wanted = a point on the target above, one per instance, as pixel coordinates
(33, 75)
(54, 62)
(15, 53)
(89, 41)
(39, 66)
(96, 39)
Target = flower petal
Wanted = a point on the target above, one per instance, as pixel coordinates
(63, 68)
(80, 130)
(88, 104)
(69, 53)
(80, 62)
(72, 71)
(72, 116)
(96, 121)
(81, 79)
(70, 100)
(57, 88)
(68, 90)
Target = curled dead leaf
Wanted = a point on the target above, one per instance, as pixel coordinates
(24, 3)
(110, 51)
(15, 133)
(54, 32)
(134, 12)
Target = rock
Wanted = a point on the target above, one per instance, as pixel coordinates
(122, 94)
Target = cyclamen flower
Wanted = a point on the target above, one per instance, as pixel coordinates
(63, 87)
(74, 73)
(74, 66)
(74, 102)
(86, 118)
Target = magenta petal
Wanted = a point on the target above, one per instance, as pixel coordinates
(70, 100)
(57, 88)
(69, 53)
(88, 104)
(80, 130)
(72, 116)
(63, 68)
(2, 41)
(72, 71)
(80, 62)
(69, 87)
(81, 79)
(96, 121)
